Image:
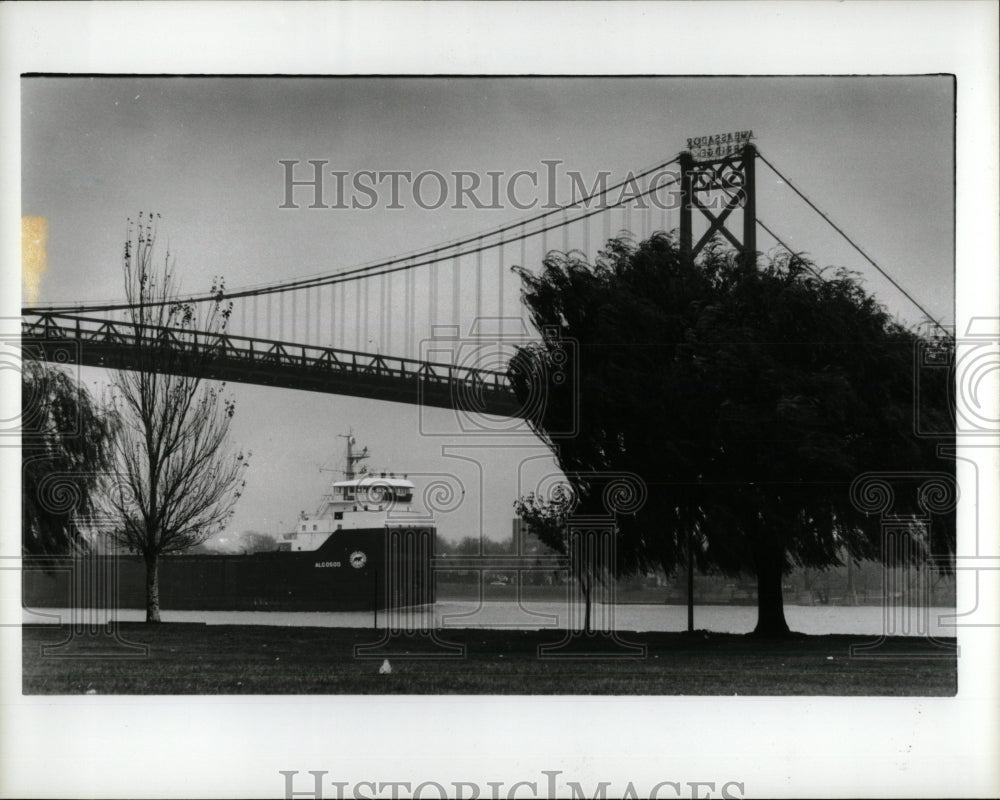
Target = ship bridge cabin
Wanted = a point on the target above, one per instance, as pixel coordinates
(377, 493)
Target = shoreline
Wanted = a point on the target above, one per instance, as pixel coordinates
(546, 616)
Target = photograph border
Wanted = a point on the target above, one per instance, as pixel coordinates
(780, 747)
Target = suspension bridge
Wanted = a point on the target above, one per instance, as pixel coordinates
(436, 326)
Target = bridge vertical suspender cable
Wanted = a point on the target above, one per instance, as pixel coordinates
(383, 316)
(522, 265)
(357, 318)
(479, 288)
(337, 316)
(500, 288)
(365, 315)
(410, 308)
(310, 313)
(342, 298)
(388, 301)
(456, 289)
(413, 341)
(433, 303)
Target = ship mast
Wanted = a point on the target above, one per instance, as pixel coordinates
(352, 457)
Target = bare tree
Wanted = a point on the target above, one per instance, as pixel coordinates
(177, 476)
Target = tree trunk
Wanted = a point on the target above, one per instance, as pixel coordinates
(690, 584)
(152, 589)
(770, 605)
(852, 594)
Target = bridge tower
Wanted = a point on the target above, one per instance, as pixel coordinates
(718, 172)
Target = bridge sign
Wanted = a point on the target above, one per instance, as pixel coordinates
(718, 145)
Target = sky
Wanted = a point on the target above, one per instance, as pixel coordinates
(875, 154)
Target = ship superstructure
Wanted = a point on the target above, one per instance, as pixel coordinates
(362, 500)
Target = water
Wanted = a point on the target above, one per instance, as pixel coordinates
(817, 620)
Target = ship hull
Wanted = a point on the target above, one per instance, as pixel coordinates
(353, 570)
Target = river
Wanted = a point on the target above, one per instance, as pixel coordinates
(817, 620)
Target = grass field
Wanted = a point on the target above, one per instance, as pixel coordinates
(200, 659)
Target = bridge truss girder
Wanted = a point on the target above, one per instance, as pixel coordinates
(65, 339)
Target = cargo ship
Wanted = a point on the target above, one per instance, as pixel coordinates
(365, 547)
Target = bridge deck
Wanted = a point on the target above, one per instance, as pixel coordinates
(64, 338)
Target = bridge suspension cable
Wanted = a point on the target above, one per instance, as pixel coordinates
(411, 261)
(850, 241)
(781, 241)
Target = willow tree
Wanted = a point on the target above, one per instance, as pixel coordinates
(65, 451)
(178, 477)
(748, 401)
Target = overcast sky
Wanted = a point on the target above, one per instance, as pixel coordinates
(876, 154)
